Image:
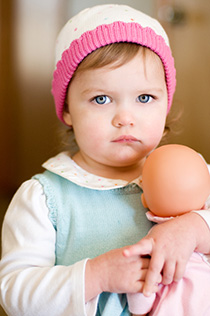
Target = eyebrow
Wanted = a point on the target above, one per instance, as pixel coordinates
(94, 90)
(149, 90)
(142, 91)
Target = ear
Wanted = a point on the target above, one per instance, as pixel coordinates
(67, 118)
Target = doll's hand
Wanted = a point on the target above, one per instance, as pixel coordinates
(170, 245)
(113, 272)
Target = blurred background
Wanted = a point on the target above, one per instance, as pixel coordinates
(29, 129)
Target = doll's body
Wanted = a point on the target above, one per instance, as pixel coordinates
(176, 180)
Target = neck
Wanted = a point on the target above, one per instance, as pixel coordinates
(127, 173)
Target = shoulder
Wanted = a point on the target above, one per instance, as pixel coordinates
(29, 201)
(29, 190)
(27, 216)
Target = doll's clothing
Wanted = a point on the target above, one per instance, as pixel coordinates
(188, 297)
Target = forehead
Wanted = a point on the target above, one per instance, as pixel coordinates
(118, 54)
(142, 72)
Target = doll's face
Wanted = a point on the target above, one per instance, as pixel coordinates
(175, 180)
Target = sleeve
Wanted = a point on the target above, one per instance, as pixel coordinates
(205, 214)
(30, 282)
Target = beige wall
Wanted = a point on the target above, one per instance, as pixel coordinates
(190, 43)
(146, 6)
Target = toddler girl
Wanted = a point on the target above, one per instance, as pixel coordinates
(66, 230)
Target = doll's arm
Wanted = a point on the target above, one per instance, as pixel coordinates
(170, 245)
(139, 304)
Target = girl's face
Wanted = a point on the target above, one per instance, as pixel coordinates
(118, 115)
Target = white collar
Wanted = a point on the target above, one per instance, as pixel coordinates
(67, 168)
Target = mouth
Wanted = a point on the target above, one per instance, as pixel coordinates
(125, 139)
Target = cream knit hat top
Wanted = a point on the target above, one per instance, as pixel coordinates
(102, 25)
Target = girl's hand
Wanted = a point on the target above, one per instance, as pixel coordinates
(170, 246)
(113, 272)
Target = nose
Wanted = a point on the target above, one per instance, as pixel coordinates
(123, 118)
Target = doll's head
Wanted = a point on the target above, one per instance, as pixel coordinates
(175, 180)
(98, 27)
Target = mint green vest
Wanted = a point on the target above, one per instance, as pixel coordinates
(90, 222)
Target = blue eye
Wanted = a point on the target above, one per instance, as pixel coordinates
(144, 98)
(102, 99)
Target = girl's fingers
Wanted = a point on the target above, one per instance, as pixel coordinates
(153, 274)
(156, 263)
(141, 283)
(144, 247)
(180, 270)
(168, 272)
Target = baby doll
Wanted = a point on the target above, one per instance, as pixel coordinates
(176, 180)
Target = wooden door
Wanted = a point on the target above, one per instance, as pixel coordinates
(8, 100)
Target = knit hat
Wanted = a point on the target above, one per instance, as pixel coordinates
(102, 25)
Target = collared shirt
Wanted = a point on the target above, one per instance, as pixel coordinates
(64, 166)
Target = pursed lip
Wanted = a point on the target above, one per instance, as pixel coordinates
(125, 139)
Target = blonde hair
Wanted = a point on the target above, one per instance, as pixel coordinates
(113, 55)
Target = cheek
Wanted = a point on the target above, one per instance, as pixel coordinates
(155, 131)
(89, 133)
